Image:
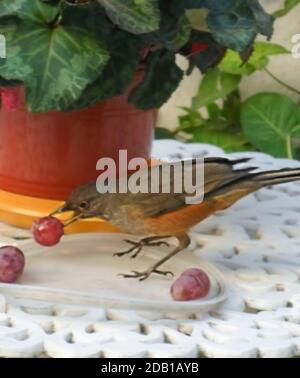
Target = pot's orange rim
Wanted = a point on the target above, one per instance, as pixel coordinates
(21, 211)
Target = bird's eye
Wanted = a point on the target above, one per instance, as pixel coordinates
(83, 205)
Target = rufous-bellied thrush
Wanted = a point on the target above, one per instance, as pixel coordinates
(158, 216)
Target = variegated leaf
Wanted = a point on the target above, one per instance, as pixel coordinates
(134, 16)
(34, 10)
(55, 64)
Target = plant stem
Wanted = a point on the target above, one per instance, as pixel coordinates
(289, 147)
(289, 87)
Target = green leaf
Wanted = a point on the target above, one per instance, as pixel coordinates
(215, 85)
(288, 6)
(263, 50)
(270, 121)
(232, 108)
(124, 50)
(174, 28)
(182, 35)
(233, 23)
(197, 19)
(33, 10)
(214, 111)
(162, 133)
(134, 16)
(263, 21)
(228, 142)
(233, 63)
(162, 77)
(58, 66)
(192, 118)
(234, 27)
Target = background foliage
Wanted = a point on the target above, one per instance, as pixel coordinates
(268, 122)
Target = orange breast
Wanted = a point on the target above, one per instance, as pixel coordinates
(179, 221)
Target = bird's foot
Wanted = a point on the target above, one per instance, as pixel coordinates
(142, 276)
(138, 247)
(157, 244)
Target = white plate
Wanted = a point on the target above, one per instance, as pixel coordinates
(82, 270)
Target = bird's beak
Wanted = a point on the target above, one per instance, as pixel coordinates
(65, 208)
(74, 218)
(59, 210)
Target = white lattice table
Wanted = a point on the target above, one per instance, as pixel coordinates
(256, 244)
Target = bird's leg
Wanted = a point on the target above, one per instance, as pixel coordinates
(184, 241)
(138, 246)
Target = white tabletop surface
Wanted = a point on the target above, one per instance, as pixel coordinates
(256, 244)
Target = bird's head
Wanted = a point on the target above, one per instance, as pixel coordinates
(84, 202)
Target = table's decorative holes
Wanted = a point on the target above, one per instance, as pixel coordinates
(264, 195)
(112, 315)
(49, 328)
(176, 156)
(251, 218)
(90, 329)
(214, 230)
(200, 244)
(295, 209)
(200, 155)
(250, 310)
(288, 233)
(252, 232)
(144, 329)
(69, 338)
(280, 287)
(167, 339)
(10, 323)
(49, 311)
(71, 311)
(289, 191)
(270, 299)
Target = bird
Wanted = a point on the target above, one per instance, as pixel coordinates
(156, 217)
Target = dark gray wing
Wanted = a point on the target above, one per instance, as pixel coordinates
(217, 172)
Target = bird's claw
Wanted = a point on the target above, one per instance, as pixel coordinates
(138, 247)
(142, 276)
(158, 244)
(164, 273)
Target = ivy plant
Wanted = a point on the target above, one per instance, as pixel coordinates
(70, 54)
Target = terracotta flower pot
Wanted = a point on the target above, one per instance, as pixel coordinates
(47, 155)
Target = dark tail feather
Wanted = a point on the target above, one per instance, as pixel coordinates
(250, 182)
(276, 177)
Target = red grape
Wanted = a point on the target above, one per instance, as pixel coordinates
(12, 262)
(47, 231)
(192, 284)
(198, 274)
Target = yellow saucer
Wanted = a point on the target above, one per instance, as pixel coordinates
(20, 211)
